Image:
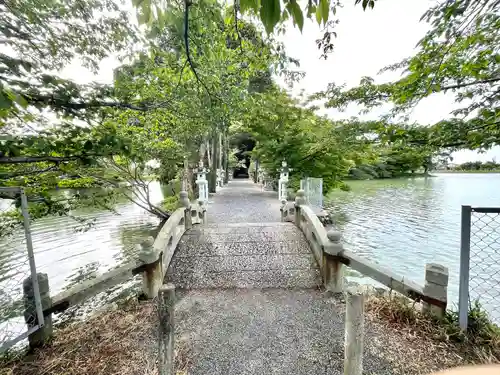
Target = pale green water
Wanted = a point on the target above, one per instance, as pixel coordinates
(404, 224)
(69, 256)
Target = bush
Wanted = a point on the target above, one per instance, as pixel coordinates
(78, 183)
(171, 203)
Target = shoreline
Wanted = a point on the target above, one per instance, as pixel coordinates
(469, 172)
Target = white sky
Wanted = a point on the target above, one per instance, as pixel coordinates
(366, 42)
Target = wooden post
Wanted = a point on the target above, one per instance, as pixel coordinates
(436, 286)
(333, 269)
(188, 222)
(44, 333)
(354, 333)
(166, 303)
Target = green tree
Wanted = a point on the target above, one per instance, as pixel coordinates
(180, 88)
(459, 55)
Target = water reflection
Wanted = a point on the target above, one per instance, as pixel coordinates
(69, 256)
(404, 224)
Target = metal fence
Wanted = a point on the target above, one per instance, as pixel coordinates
(313, 188)
(20, 302)
(480, 262)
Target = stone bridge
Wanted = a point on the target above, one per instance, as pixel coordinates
(258, 287)
(250, 294)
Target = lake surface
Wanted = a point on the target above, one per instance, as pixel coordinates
(404, 224)
(68, 255)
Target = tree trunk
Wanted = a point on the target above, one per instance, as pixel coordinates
(209, 155)
(185, 175)
(212, 180)
(256, 171)
(226, 157)
(202, 152)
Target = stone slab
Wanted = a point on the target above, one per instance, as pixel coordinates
(245, 262)
(262, 279)
(187, 248)
(262, 236)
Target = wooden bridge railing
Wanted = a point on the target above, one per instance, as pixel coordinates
(331, 256)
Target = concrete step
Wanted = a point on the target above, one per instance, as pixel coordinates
(244, 255)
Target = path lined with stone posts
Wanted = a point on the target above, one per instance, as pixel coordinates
(250, 299)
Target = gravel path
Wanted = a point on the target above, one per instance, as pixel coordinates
(244, 255)
(272, 331)
(250, 294)
(242, 201)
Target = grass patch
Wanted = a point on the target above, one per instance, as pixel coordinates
(481, 343)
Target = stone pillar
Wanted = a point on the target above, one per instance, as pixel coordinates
(44, 333)
(299, 200)
(184, 198)
(283, 213)
(283, 181)
(203, 211)
(354, 333)
(152, 277)
(332, 269)
(166, 306)
(202, 182)
(218, 181)
(436, 286)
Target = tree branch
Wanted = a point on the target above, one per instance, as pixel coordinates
(38, 159)
(461, 85)
(188, 3)
(236, 9)
(57, 102)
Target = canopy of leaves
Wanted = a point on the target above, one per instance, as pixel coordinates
(460, 55)
(189, 72)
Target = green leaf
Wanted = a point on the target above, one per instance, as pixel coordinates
(249, 4)
(88, 145)
(311, 8)
(144, 12)
(296, 12)
(5, 101)
(319, 16)
(270, 13)
(322, 11)
(21, 101)
(325, 9)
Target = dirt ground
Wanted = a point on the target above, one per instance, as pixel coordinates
(124, 341)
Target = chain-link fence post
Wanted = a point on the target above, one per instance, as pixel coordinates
(463, 294)
(19, 283)
(484, 270)
(31, 256)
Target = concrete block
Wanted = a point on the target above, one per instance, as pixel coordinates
(43, 334)
(436, 274)
(333, 273)
(438, 292)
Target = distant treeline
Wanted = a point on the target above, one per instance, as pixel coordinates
(477, 166)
